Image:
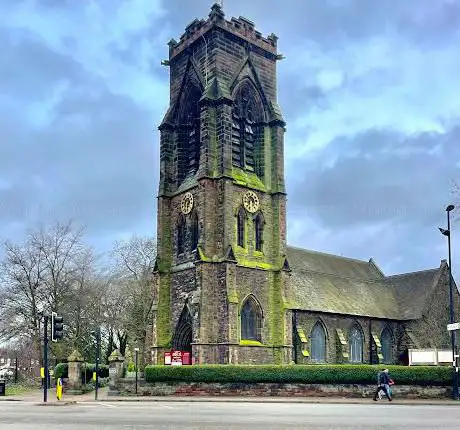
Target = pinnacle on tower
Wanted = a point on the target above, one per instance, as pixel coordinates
(217, 11)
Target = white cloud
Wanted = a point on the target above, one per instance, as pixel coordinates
(389, 83)
(91, 31)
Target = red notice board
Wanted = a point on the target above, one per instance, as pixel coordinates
(177, 358)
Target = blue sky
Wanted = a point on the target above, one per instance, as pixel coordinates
(370, 92)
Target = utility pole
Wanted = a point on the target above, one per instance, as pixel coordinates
(45, 359)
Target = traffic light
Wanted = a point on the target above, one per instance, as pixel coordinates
(57, 327)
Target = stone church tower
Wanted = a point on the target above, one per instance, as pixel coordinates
(221, 275)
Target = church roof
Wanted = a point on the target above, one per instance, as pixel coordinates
(333, 284)
(413, 290)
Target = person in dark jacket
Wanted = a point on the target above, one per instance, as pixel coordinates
(383, 385)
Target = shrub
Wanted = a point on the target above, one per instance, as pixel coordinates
(308, 374)
(61, 370)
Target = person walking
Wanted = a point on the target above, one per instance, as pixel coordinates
(383, 385)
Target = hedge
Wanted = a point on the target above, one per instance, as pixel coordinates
(308, 374)
(62, 371)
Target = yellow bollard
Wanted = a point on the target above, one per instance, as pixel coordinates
(59, 388)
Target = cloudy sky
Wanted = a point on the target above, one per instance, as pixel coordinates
(370, 92)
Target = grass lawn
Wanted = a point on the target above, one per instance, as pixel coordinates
(18, 389)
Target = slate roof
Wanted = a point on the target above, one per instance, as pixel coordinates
(333, 284)
(413, 290)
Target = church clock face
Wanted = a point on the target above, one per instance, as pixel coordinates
(251, 201)
(186, 205)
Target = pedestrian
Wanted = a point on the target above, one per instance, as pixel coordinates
(390, 390)
(383, 383)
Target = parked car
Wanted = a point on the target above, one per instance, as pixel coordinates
(6, 372)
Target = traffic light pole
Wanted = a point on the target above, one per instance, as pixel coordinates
(98, 348)
(45, 359)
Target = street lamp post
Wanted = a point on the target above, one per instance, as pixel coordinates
(447, 233)
(136, 350)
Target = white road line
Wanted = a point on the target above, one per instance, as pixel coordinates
(95, 405)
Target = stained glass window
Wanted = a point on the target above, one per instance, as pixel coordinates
(387, 345)
(318, 343)
(241, 218)
(180, 234)
(251, 320)
(259, 231)
(356, 345)
(194, 231)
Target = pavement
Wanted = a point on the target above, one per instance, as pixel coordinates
(67, 399)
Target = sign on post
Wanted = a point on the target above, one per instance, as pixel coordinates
(453, 326)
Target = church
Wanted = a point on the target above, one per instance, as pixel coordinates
(227, 287)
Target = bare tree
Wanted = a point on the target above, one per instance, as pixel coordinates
(23, 295)
(134, 263)
(50, 271)
(115, 303)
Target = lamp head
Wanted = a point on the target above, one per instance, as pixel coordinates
(450, 208)
(444, 231)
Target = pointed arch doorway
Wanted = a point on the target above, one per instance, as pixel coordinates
(182, 339)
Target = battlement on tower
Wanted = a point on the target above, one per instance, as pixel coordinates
(240, 27)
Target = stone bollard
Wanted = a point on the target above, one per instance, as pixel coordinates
(116, 361)
(75, 361)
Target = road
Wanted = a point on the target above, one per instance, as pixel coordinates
(191, 415)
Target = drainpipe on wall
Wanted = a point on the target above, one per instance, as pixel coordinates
(370, 341)
(294, 336)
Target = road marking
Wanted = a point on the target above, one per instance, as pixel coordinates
(108, 405)
(95, 405)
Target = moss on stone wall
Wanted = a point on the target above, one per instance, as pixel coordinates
(251, 343)
(247, 179)
(164, 312)
(276, 317)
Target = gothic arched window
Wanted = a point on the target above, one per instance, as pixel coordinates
(240, 222)
(246, 135)
(180, 234)
(356, 344)
(318, 343)
(188, 156)
(194, 234)
(251, 320)
(387, 345)
(259, 231)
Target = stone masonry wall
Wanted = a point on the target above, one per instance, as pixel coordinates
(126, 386)
(334, 348)
(183, 284)
(430, 330)
(230, 51)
